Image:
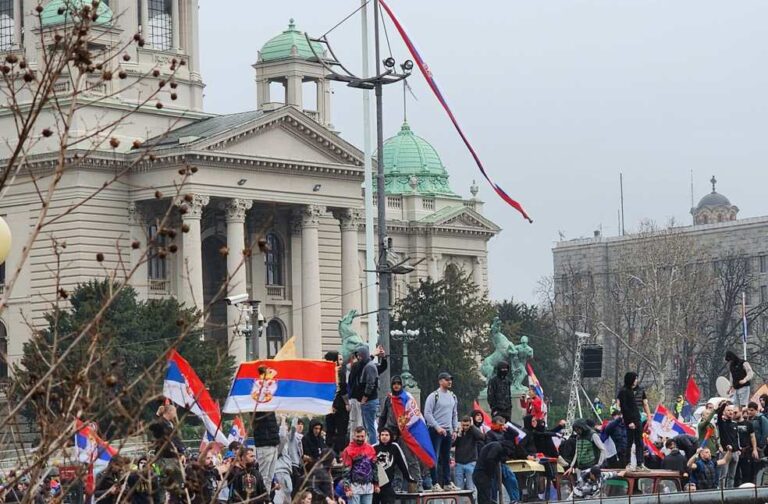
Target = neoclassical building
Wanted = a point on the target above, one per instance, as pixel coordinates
(278, 175)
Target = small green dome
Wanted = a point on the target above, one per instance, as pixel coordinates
(281, 47)
(412, 165)
(50, 15)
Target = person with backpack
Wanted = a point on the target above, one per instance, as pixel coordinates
(441, 412)
(361, 477)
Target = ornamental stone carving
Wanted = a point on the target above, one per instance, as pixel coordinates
(236, 208)
(311, 214)
(135, 215)
(349, 218)
(195, 207)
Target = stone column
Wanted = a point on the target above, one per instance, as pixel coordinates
(175, 35)
(236, 265)
(137, 222)
(145, 23)
(433, 267)
(262, 93)
(192, 47)
(350, 275)
(311, 319)
(17, 14)
(322, 113)
(477, 273)
(296, 282)
(190, 292)
(293, 91)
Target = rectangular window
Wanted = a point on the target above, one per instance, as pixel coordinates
(763, 294)
(160, 24)
(748, 297)
(763, 260)
(7, 25)
(157, 265)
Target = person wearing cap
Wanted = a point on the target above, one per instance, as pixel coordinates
(441, 412)
(500, 391)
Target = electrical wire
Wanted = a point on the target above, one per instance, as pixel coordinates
(343, 20)
(386, 33)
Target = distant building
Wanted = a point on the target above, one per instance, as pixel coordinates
(587, 265)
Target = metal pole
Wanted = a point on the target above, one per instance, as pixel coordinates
(384, 275)
(370, 253)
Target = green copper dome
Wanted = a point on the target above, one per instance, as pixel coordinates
(51, 16)
(281, 47)
(412, 165)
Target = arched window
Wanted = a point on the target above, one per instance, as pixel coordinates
(3, 352)
(160, 24)
(275, 337)
(274, 259)
(452, 272)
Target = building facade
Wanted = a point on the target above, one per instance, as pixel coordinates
(278, 181)
(585, 269)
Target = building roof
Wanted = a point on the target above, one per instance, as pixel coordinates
(412, 165)
(282, 46)
(203, 128)
(62, 11)
(713, 199)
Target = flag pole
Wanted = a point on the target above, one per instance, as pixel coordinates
(744, 319)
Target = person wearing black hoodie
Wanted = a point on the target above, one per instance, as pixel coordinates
(500, 392)
(630, 399)
(675, 460)
(487, 467)
(266, 439)
(388, 456)
(313, 444)
(364, 383)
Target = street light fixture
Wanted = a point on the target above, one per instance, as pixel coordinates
(407, 335)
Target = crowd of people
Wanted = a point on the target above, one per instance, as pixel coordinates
(358, 453)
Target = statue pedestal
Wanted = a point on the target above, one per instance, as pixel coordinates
(517, 411)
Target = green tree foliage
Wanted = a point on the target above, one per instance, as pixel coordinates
(453, 318)
(118, 367)
(520, 319)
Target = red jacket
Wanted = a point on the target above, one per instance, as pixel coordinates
(532, 406)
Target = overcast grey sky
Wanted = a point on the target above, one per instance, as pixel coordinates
(558, 97)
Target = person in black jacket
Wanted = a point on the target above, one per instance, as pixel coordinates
(687, 444)
(628, 404)
(337, 422)
(110, 481)
(266, 438)
(499, 391)
(389, 456)
(313, 444)
(467, 445)
(244, 479)
(487, 467)
(675, 460)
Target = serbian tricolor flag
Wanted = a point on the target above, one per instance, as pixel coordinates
(413, 428)
(183, 387)
(533, 381)
(300, 385)
(433, 85)
(90, 448)
(652, 447)
(665, 425)
(237, 431)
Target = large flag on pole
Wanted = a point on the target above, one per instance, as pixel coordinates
(433, 85)
(301, 385)
(183, 387)
(90, 448)
(413, 428)
(692, 392)
(744, 322)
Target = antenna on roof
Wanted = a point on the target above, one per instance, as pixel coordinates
(692, 216)
(621, 195)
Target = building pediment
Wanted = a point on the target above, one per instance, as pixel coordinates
(285, 133)
(460, 217)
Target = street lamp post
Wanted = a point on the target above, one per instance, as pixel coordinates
(409, 381)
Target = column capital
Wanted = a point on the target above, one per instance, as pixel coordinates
(349, 218)
(194, 205)
(310, 215)
(236, 208)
